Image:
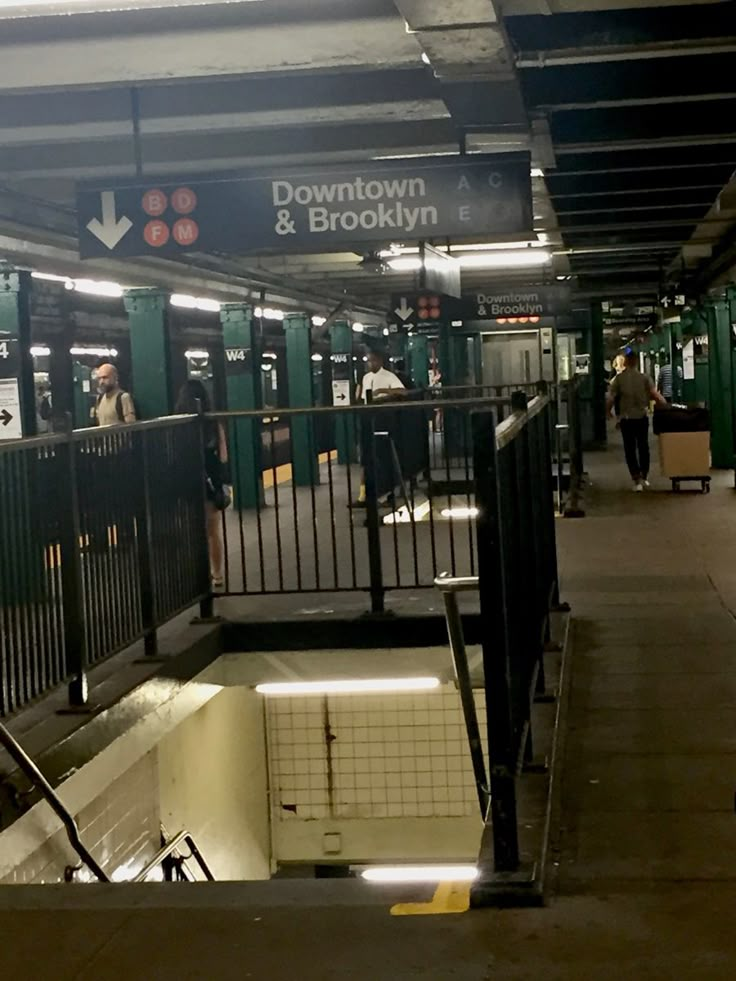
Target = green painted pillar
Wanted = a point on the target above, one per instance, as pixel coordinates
(243, 391)
(418, 360)
(598, 374)
(17, 392)
(298, 334)
(448, 352)
(343, 390)
(150, 352)
(676, 345)
(721, 383)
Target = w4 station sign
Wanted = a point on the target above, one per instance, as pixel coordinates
(315, 209)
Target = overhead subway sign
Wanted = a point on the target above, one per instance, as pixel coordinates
(318, 208)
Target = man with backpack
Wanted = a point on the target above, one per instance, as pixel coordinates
(114, 406)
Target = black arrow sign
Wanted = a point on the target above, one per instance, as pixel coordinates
(5, 417)
(341, 398)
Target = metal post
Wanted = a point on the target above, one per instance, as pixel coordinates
(721, 383)
(297, 331)
(496, 645)
(343, 389)
(373, 521)
(150, 350)
(243, 379)
(72, 587)
(146, 549)
(449, 588)
(598, 374)
(17, 391)
(418, 355)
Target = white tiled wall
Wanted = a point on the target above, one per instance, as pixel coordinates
(389, 756)
(120, 828)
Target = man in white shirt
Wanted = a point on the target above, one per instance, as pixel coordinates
(378, 379)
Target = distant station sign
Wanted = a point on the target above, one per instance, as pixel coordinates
(314, 209)
(523, 303)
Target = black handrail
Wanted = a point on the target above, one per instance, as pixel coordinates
(183, 837)
(31, 770)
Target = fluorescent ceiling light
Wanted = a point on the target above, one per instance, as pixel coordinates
(358, 327)
(318, 321)
(270, 354)
(196, 355)
(425, 58)
(459, 512)
(518, 259)
(421, 873)
(414, 156)
(316, 357)
(271, 313)
(51, 277)
(194, 302)
(537, 172)
(95, 288)
(39, 351)
(95, 352)
(405, 263)
(348, 687)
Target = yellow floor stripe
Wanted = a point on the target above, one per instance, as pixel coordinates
(449, 897)
(283, 473)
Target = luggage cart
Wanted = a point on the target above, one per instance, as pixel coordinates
(684, 445)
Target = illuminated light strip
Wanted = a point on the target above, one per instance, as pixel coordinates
(421, 873)
(459, 512)
(348, 687)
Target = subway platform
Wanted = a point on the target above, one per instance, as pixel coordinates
(644, 857)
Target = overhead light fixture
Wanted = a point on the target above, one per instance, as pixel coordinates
(537, 172)
(515, 259)
(317, 357)
(414, 156)
(271, 313)
(420, 873)
(39, 351)
(425, 58)
(459, 512)
(318, 321)
(270, 354)
(94, 352)
(96, 288)
(358, 327)
(351, 686)
(194, 302)
(405, 263)
(50, 277)
(196, 355)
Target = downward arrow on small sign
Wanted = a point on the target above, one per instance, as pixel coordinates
(5, 417)
(111, 229)
(404, 311)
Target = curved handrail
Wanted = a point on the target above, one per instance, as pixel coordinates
(169, 848)
(31, 770)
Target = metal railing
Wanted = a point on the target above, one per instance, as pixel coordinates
(38, 780)
(102, 540)
(518, 586)
(388, 508)
(170, 853)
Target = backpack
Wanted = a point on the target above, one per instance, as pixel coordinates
(44, 409)
(118, 406)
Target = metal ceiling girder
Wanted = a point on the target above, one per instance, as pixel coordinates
(625, 52)
(462, 38)
(56, 57)
(656, 142)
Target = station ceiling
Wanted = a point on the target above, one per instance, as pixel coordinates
(628, 112)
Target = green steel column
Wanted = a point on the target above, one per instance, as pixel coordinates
(677, 365)
(418, 360)
(298, 334)
(343, 389)
(243, 390)
(150, 352)
(16, 363)
(447, 352)
(598, 373)
(721, 383)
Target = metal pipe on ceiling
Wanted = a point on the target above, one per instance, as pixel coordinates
(555, 57)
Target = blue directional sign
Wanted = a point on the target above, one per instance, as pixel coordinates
(317, 209)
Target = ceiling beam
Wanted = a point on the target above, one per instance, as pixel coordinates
(625, 52)
(654, 143)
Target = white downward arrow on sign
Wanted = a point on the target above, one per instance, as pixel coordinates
(403, 310)
(111, 229)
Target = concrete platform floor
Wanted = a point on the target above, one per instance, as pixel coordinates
(646, 857)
